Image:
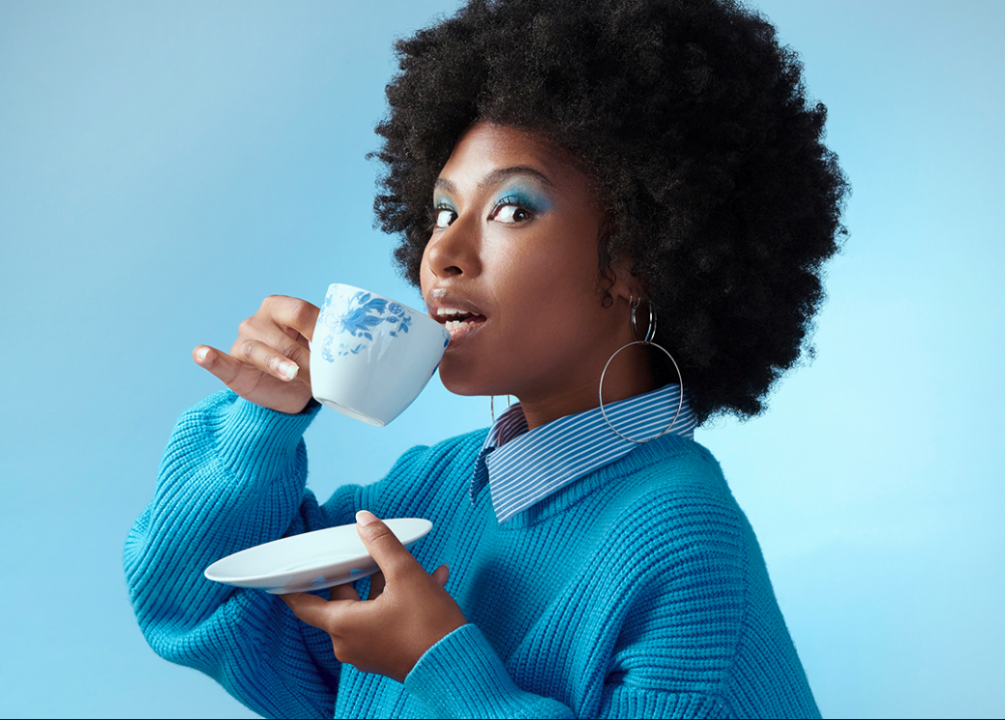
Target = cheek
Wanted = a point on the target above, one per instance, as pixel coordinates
(550, 288)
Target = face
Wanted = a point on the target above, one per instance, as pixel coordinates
(512, 269)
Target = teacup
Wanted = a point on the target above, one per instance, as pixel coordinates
(372, 356)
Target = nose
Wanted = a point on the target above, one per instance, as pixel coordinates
(454, 250)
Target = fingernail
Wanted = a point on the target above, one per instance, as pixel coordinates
(364, 518)
(201, 354)
(289, 370)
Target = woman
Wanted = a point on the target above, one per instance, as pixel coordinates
(614, 199)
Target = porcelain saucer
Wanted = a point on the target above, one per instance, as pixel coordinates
(310, 561)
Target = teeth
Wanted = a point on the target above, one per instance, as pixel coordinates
(450, 311)
(453, 324)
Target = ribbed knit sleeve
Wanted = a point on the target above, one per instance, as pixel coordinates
(462, 677)
(233, 476)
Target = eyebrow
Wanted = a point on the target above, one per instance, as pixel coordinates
(497, 176)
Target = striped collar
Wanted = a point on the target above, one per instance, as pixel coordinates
(524, 467)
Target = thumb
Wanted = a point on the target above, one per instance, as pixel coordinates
(383, 546)
(441, 575)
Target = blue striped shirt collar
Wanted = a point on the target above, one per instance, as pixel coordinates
(524, 467)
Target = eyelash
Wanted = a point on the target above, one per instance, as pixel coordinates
(509, 200)
(519, 203)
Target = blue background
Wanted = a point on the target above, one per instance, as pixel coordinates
(165, 166)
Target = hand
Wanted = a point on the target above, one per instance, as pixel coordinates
(407, 612)
(270, 362)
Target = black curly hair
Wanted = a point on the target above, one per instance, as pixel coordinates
(720, 196)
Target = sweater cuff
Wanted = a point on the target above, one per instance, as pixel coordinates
(259, 441)
(461, 676)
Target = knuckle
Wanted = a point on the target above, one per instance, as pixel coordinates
(381, 533)
(336, 628)
(302, 313)
(292, 350)
(246, 327)
(247, 349)
(341, 652)
(293, 602)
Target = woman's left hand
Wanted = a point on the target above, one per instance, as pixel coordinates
(406, 613)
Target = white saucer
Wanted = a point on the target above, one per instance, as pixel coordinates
(310, 561)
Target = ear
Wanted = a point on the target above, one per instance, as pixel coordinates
(624, 285)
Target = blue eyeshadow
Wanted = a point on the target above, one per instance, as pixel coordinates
(524, 197)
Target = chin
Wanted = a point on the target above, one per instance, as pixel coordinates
(462, 378)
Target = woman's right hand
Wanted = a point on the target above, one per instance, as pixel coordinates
(270, 362)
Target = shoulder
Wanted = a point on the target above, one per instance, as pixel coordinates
(696, 570)
(677, 481)
(671, 509)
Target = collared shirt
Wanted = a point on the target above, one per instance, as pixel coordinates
(524, 467)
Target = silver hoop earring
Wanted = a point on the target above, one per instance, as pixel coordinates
(650, 334)
(492, 406)
(651, 326)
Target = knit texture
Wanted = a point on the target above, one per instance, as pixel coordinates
(637, 591)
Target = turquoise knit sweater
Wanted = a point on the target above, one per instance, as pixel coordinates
(637, 591)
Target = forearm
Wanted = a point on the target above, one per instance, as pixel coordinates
(232, 477)
(461, 676)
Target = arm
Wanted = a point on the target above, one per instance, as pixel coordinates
(619, 641)
(462, 676)
(679, 620)
(655, 639)
(232, 476)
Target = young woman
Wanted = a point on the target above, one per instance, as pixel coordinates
(619, 201)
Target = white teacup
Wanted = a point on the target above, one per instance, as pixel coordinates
(371, 356)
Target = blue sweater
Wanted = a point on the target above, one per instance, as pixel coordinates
(637, 591)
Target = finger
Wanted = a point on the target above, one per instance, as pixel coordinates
(441, 575)
(290, 312)
(301, 340)
(288, 342)
(311, 609)
(285, 340)
(217, 362)
(383, 546)
(344, 591)
(376, 586)
(265, 357)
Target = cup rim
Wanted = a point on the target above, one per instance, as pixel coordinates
(377, 294)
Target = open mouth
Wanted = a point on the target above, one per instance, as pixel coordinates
(454, 319)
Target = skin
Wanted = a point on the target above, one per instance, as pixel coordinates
(515, 240)
(533, 273)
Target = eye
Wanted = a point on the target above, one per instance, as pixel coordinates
(511, 213)
(444, 216)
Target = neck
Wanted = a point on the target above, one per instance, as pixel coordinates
(628, 375)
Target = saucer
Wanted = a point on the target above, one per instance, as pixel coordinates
(310, 561)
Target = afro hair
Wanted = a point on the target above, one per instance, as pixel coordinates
(694, 122)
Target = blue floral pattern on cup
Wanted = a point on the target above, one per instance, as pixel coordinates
(358, 316)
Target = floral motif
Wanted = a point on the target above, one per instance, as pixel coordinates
(359, 316)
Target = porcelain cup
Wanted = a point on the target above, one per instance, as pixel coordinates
(372, 356)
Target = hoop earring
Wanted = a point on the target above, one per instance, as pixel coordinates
(650, 334)
(492, 406)
(650, 327)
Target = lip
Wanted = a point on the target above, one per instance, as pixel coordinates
(438, 298)
(465, 331)
(443, 298)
